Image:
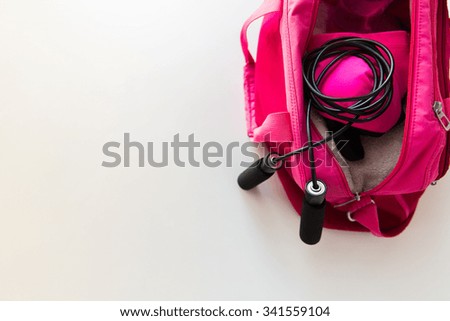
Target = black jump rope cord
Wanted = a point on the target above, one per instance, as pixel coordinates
(362, 109)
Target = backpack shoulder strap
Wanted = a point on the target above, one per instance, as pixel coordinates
(268, 7)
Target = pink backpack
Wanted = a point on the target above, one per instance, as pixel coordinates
(405, 148)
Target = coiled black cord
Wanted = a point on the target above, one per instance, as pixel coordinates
(363, 108)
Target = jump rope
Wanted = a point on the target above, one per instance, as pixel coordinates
(364, 108)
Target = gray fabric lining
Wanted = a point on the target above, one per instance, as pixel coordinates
(381, 156)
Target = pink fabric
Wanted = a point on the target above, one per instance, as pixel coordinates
(268, 6)
(275, 89)
(249, 91)
(352, 76)
(367, 16)
(276, 128)
(271, 98)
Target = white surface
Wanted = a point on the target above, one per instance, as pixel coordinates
(77, 74)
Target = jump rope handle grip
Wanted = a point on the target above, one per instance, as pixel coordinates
(313, 213)
(258, 172)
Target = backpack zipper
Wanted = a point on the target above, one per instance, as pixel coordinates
(437, 107)
(440, 114)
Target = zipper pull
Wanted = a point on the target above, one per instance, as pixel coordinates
(440, 114)
(357, 198)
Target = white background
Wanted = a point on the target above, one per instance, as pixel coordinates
(77, 74)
